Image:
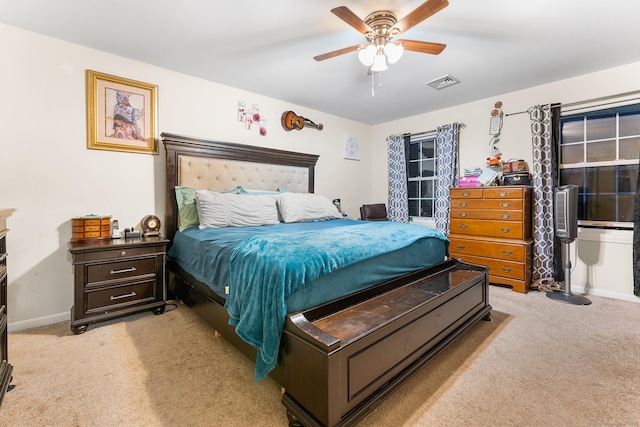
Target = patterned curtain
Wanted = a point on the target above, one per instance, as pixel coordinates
(447, 173)
(636, 241)
(398, 209)
(546, 248)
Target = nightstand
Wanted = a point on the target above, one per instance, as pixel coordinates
(116, 278)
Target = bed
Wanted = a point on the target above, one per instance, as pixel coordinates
(353, 311)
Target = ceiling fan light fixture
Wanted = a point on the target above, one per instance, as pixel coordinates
(394, 52)
(367, 55)
(379, 63)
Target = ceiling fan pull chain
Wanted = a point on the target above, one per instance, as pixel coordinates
(373, 92)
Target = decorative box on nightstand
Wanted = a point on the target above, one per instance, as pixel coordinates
(115, 278)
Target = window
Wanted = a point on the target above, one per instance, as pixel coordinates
(599, 153)
(422, 175)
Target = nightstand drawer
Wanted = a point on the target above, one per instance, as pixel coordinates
(100, 300)
(120, 253)
(120, 269)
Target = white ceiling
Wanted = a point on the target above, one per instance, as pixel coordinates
(267, 47)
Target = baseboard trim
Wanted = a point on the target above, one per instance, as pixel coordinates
(607, 294)
(38, 321)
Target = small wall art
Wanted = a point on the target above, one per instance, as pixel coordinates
(351, 147)
(252, 118)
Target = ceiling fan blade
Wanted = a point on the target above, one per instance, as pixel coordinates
(335, 53)
(422, 47)
(419, 14)
(344, 13)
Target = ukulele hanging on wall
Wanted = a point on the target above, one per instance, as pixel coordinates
(291, 121)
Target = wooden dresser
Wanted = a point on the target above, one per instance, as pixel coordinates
(492, 226)
(5, 367)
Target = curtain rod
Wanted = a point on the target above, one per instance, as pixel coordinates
(589, 101)
(427, 132)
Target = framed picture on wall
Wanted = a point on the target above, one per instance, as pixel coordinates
(121, 114)
(351, 147)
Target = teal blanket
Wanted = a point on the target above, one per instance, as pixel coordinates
(265, 270)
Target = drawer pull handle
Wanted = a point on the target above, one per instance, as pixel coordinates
(466, 194)
(505, 230)
(124, 270)
(507, 252)
(460, 247)
(463, 226)
(505, 216)
(506, 270)
(502, 193)
(505, 205)
(463, 214)
(463, 205)
(130, 294)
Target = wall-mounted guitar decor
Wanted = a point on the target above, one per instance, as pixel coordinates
(291, 121)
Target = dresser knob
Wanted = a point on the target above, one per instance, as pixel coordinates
(463, 205)
(463, 214)
(123, 253)
(505, 230)
(463, 226)
(466, 194)
(505, 216)
(505, 205)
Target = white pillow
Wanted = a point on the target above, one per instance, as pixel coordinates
(296, 207)
(235, 210)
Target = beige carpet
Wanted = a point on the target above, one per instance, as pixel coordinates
(539, 363)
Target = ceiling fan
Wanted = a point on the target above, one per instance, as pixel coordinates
(379, 28)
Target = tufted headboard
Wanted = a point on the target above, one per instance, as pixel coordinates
(221, 166)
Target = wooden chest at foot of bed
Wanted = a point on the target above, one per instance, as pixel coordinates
(342, 358)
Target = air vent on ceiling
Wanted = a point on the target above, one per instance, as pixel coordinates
(442, 82)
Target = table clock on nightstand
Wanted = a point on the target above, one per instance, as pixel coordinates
(116, 278)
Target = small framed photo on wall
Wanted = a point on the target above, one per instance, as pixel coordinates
(351, 147)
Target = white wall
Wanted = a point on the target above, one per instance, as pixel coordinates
(49, 176)
(602, 263)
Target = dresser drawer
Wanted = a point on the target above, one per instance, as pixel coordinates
(488, 249)
(114, 297)
(466, 193)
(490, 214)
(496, 204)
(500, 229)
(516, 192)
(501, 268)
(122, 269)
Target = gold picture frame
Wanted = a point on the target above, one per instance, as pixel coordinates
(121, 114)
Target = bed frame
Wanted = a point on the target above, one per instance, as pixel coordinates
(340, 359)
